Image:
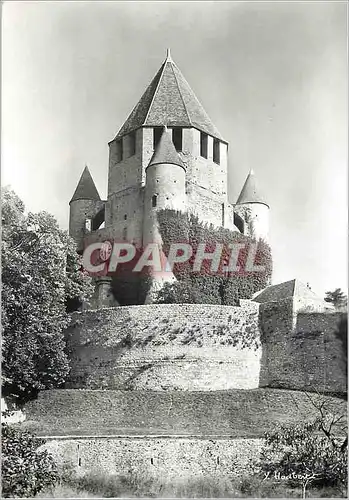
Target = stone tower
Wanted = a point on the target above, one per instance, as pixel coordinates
(167, 154)
(168, 101)
(86, 207)
(253, 209)
(165, 187)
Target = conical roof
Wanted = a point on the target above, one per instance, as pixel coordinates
(86, 189)
(250, 192)
(165, 152)
(170, 101)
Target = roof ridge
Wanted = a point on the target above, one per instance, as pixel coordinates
(155, 91)
(180, 93)
(250, 192)
(215, 132)
(86, 188)
(169, 100)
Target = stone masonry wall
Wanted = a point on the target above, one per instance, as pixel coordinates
(207, 347)
(127, 172)
(204, 172)
(164, 457)
(206, 205)
(302, 350)
(166, 347)
(80, 210)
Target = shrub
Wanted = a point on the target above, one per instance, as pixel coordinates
(25, 470)
(207, 286)
(189, 292)
(306, 454)
(64, 491)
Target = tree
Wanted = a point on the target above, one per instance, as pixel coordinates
(41, 274)
(309, 453)
(25, 470)
(337, 298)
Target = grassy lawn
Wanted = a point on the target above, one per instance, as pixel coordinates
(97, 486)
(235, 413)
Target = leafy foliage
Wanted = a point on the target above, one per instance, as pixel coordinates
(337, 298)
(41, 274)
(190, 292)
(313, 452)
(25, 470)
(206, 286)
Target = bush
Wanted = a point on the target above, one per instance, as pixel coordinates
(25, 470)
(188, 292)
(307, 454)
(200, 287)
(206, 286)
(64, 491)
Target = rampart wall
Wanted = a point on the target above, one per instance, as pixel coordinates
(208, 347)
(164, 457)
(166, 347)
(303, 350)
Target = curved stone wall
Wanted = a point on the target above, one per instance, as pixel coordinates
(166, 347)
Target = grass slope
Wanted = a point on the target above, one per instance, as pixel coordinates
(235, 413)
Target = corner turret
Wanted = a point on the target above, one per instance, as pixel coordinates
(252, 208)
(164, 188)
(85, 205)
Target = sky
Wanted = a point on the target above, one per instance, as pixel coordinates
(272, 76)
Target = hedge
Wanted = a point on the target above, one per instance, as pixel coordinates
(207, 286)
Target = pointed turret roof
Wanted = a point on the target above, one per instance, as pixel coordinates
(165, 152)
(86, 189)
(170, 101)
(250, 192)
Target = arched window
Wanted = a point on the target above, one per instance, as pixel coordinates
(177, 138)
(88, 225)
(119, 150)
(98, 220)
(157, 133)
(203, 144)
(154, 200)
(132, 143)
(239, 223)
(216, 151)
